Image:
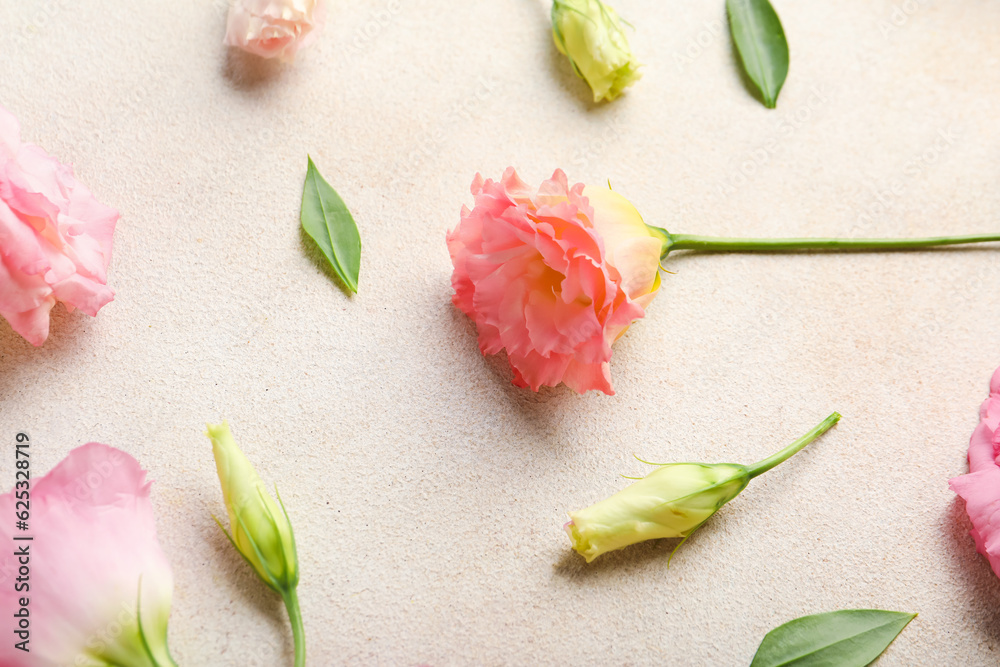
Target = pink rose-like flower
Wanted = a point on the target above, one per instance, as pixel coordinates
(94, 540)
(55, 238)
(274, 28)
(980, 488)
(552, 276)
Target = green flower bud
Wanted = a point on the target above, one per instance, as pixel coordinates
(672, 501)
(259, 526)
(591, 35)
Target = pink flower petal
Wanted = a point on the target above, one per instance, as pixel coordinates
(83, 293)
(33, 323)
(980, 488)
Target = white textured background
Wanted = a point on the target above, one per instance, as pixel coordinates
(427, 493)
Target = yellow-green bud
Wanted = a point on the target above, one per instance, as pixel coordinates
(672, 501)
(591, 35)
(259, 526)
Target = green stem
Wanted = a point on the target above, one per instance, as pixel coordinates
(291, 599)
(672, 242)
(761, 467)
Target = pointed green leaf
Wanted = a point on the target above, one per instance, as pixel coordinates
(846, 638)
(761, 44)
(326, 219)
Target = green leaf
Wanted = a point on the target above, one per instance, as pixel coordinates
(761, 44)
(326, 219)
(846, 638)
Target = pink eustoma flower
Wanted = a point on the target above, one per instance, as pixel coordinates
(274, 28)
(93, 548)
(980, 488)
(553, 276)
(55, 237)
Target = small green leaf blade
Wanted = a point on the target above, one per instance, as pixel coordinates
(760, 41)
(845, 638)
(327, 221)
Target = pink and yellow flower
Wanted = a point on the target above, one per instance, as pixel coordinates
(97, 583)
(274, 28)
(980, 488)
(552, 276)
(55, 237)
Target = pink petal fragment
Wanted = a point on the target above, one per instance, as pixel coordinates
(980, 488)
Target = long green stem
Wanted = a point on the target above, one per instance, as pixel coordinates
(291, 599)
(671, 242)
(761, 467)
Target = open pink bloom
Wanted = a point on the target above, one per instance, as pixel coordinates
(55, 238)
(94, 537)
(274, 28)
(553, 277)
(980, 488)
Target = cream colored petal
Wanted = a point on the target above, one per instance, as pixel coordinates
(628, 244)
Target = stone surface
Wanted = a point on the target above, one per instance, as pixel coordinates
(427, 493)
